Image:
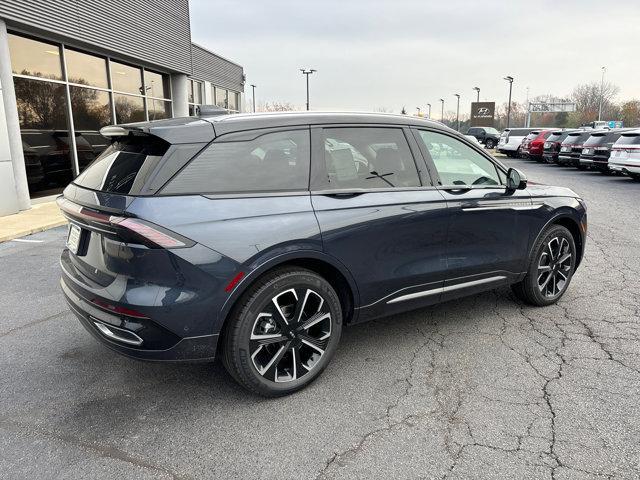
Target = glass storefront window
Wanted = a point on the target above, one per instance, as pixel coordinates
(221, 97)
(129, 108)
(35, 58)
(158, 109)
(156, 85)
(233, 101)
(91, 111)
(126, 79)
(86, 69)
(195, 92)
(42, 110)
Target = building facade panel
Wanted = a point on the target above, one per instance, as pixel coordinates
(209, 66)
(151, 31)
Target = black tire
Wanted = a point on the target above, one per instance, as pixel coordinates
(269, 308)
(555, 240)
(635, 176)
(518, 153)
(581, 167)
(490, 144)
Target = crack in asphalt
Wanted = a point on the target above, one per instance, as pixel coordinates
(34, 323)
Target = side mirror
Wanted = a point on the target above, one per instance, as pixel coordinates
(516, 180)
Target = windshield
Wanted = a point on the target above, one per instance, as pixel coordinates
(491, 130)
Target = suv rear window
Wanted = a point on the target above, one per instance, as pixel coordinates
(632, 139)
(124, 166)
(275, 161)
(556, 136)
(596, 139)
(519, 132)
(533, 135)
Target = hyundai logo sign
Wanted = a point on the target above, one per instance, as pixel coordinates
(483, 114)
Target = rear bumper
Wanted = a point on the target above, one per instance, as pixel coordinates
(550, 157)
(568, 160)
(625, 167)
(115, 332)
(596, 161)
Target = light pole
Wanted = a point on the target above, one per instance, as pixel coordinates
(418, 109)
(429, 114)
(604, 69)
(307, 72)
(457, 112)
(253, 90)
(442, 113)
(510, 80)
(477, 89)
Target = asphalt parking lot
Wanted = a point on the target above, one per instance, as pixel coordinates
(479, 388)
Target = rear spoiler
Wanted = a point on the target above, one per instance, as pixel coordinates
(171, 130)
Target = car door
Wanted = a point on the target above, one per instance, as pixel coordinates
(489, 229)
(379, 215)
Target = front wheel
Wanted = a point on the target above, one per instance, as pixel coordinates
(490, 144)
(551, 267)
(283, 333)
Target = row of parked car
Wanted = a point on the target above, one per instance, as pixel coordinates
(609, 150)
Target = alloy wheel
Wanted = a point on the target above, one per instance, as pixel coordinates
(290, 335)
(554, 267)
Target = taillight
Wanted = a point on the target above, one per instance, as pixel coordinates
(146, 231)
(131, 229)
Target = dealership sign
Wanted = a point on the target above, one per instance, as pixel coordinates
(542, 107)
(483, 114)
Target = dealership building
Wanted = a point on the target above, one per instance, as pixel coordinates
(69, 67)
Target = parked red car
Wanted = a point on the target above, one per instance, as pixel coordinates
(533, 144)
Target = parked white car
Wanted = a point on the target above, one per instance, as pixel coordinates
(625, 154)
(511, 139)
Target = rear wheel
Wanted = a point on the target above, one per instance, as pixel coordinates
(283, 333)
(582, 167)
(551, 268)
(490, 143)
(635, 176)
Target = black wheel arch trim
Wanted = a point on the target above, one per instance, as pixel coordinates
(568, 214)
(283, 259)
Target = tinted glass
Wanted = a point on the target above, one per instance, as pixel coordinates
(86, 69)
(633, 139)
(546, 135)
(126, 79)
(556, 136)
(124, 166)
(156, 84)
(571, 138)
(42, 111)
(457, 163)
(233, 101)
(271, 162)
(368, 157)
(91, 111)
(129, 109)
(596, 139)
(491, 130)
(519, 132)
(221, 97)
(532, 135)
(158, 109)
(38, 59)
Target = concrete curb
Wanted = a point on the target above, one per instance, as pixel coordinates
(39, 218)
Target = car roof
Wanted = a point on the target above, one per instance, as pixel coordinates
(248, 121)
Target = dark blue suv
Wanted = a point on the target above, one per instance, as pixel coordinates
(257, 237)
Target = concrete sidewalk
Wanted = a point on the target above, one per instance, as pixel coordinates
(41, 216)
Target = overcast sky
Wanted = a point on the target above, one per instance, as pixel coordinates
(372, 54)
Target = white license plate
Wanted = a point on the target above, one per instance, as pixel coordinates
(73, 240)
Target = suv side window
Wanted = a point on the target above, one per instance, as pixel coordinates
(457, 163)
(277, 161)
(368, 157)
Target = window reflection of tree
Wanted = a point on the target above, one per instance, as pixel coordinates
(40, 104)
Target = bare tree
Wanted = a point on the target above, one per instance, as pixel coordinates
(587, 99)
(276, 106)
